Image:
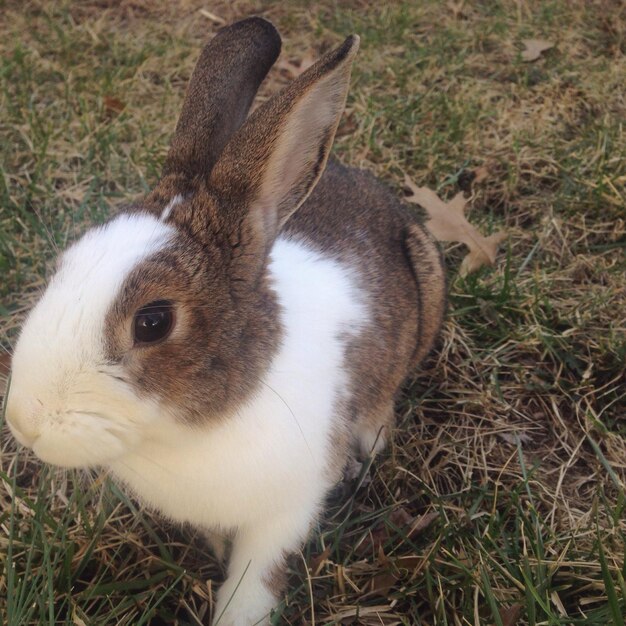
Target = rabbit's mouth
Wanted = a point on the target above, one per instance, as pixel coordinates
(79, 439)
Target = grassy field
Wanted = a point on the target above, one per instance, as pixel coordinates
(501, 500)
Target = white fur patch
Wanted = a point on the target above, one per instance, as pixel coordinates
(57, 396)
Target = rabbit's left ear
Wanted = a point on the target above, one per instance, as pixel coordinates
(220, 92)
(273, 161)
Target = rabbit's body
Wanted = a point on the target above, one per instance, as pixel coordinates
(224, 344)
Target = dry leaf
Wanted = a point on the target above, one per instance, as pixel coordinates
(556, 600)
(534, 48)
(480, 174)
(510, 615)
(447, 222)
(318, 561)
(113, 105)
(382, 584)
(398, 518)
(421, 523)
(410, 563)
(76, 620)
(514, 437)
(456, 8)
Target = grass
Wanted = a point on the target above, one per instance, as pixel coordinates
(501, 500)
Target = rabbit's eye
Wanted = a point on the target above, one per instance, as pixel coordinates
(153, 322)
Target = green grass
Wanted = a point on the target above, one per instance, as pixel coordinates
(501, 500)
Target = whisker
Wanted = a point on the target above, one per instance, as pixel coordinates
(144, 475)
(49, 234)
(115, 376)
(155, 463)
(292, 414)
(132, 470)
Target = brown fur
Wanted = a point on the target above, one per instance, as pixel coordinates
(430, 278)
(220, 92)
(199, 371)
(276, 579)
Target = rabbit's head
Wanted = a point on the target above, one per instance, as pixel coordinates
(165, 313)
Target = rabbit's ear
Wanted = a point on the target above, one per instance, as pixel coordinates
(273, 161)
(220, 92)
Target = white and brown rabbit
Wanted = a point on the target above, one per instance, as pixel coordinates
(224, 345)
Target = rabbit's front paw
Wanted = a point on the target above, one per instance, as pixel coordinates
(238, 615)
(244, 600)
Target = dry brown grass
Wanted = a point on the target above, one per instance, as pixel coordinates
(509, 463)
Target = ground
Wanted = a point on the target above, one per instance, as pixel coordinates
(501, 499)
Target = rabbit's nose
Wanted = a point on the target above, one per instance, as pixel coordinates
(17, 417)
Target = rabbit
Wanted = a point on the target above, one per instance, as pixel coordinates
(225, 344)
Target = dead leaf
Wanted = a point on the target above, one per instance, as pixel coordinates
(480, 174)
(410, 563)
(510, 615)
(399, 518)
(483, 254)
(535, 48)
(447, 222)
(77, 621)
(556, 600)
(318, 561)
(456, 8)
(421, 523)
(514, 437)
(382, 584)
(113, 105)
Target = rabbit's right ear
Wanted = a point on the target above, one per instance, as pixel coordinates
(273, 162)
(222, 87)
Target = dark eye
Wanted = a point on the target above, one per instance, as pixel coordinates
(153, 322)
